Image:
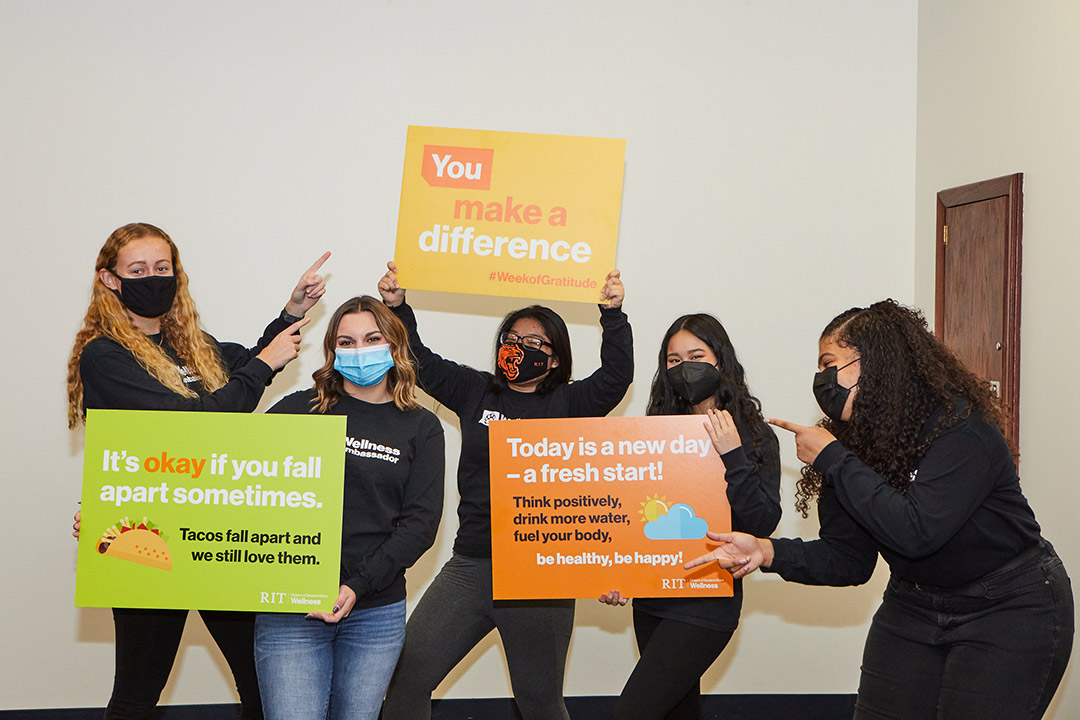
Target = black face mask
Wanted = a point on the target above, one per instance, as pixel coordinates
(831, 396)
(693, 381)
(148, 297)
(519, 364)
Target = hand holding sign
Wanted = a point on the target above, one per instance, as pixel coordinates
(392, 293)
(613, 598)
(740, 553)
(809, 441)
(308, 290)
(613, 292)
(342, 607)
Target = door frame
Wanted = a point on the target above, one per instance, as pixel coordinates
(1010, 187)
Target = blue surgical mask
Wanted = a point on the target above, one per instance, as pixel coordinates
(364, 366)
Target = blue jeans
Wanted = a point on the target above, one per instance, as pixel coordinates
(309, 669)
(992, 650)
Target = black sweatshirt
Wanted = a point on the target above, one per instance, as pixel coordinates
(114, 380)
(963, 515)
(753, 491)
(393, 492)
(471, 395)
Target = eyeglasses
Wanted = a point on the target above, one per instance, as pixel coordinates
(529, 341)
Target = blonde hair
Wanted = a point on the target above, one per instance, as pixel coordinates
(107, 317)
(401, 380)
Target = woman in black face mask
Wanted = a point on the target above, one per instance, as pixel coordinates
(679, 638)
(911, 463)
(531, 380)
(141, 348)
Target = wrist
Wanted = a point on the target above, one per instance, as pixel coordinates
(768, 552)
(288, 314)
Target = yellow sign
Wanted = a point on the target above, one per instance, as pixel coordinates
(513, 214)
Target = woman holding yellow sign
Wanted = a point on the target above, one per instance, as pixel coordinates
(141, 348)
(679, 638)
(911, 463)
(533, 363)
(326, 666)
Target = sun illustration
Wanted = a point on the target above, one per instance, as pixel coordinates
(653, 507)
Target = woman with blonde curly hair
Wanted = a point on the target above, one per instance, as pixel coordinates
(911, 464)
(141, 348)
(337, 665)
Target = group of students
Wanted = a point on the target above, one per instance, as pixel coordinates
(910, 463)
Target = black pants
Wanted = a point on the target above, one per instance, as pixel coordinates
(455, 614)
(992, 650)
(146, 645)
(666, 682)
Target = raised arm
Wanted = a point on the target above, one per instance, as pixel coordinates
(952, 481)
(598, 394)
(451, 384)
(114, 379)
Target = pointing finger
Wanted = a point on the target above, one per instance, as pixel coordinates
(785, 425)
(295, 327)
(318, 263)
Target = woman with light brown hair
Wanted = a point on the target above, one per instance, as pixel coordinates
(141, 348)
(326, 666)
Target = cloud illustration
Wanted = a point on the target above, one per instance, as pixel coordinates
(678, 524)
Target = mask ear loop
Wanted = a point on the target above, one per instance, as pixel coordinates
(850, 363)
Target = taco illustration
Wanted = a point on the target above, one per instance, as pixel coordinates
(140, 543)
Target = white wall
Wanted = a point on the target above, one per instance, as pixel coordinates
(998, 95)
(770, 168)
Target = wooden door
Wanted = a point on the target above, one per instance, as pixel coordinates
(977, 311)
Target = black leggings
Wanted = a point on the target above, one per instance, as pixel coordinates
(146, 645)
(666, 682)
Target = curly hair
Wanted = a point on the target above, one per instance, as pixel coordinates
(107, 317)
(906, 376)
(733, 394)
(401, 380)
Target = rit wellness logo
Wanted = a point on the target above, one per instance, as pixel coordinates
(457, 167)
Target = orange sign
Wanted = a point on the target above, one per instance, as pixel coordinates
(583, 506)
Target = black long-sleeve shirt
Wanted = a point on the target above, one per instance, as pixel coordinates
(471, 395)
(753, 492)
(962, 516)
(393, 492)
(113, 379)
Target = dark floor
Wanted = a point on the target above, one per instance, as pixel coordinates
(714, 707)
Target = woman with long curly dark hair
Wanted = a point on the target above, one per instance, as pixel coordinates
(977, 619)
(678, 639)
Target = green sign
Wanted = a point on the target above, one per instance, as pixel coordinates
(215, 511)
